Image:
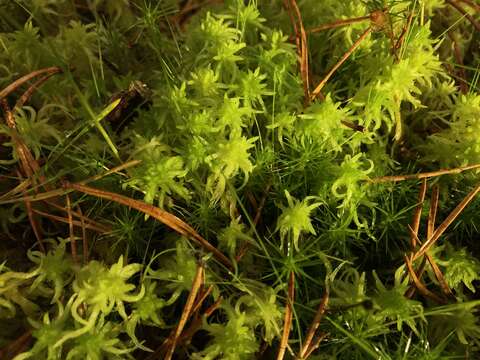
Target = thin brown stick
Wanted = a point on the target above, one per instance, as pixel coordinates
(345, 56)
(418, 214)
(287, 322)
(424, 175)
(462, 11)
(19, 82)
(197, 281)
(338, 23)
(73, 243)
(28, 94)
(74, 222)
(315, 323)
(446, 223)
(419, 285)
(161, 215)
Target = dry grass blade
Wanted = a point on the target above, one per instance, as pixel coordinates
(425, 175)
(446, 223)
(161, 215)
(418, 214)
(419, 285)
(314, 326)
(337, 24)
(287, 322)
(462, 11)
(187, 310)
(318, 89)
(19, 82)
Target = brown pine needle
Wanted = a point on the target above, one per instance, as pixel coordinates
(462, 11)
(114, 170)
(302, 45)
(73, 243)
(84, 236)
(446, 223)
(197, 281)
(419, 285)
(91, 224)
(81, 223)
(440, 278)
(201, 299)
(28, 94)
(19, 82)
(345, 56)
(287, 322)
(337, 23)
(314, 326)
(34, 225)
(419, 273)
(432, 213)
(424, 175)
(405, 30)
(471, 4)
(418, 214)
(315, 345)
(163, 216)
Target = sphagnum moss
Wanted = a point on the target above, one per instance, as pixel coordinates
(250, 188)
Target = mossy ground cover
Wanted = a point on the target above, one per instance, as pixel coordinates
(239, 179)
